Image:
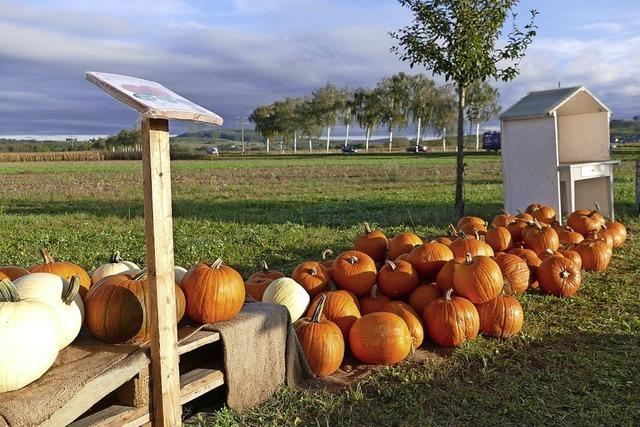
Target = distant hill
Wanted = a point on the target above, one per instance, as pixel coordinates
(628, 130)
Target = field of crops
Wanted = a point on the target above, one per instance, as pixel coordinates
(577, 360)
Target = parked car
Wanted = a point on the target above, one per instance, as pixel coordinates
(213, 151)
(416, 149)
(491, 141)
(348, 149)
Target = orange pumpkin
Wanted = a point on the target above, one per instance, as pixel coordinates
(214, 293)
(372, 243)
(567, 236)
(117, 308)
(380, 339)
(423, 295)
(402, 243)
(547, 253)
(478, 279)
(312, 276)
(464, 245)
(542, 213)
(373, 302)
(467, 224)
(525, 216)
(410, 317)
(585, 221)
(516, 227)
(451, 321)
(66, 270)
(321, 341)
(397, 279)
(502, 317)
(559, 276)
(540, 238)
(12, 272)
(595, 254)
(354, 271)
(499, 238)
(444, 279)
(619, 232)
(572, 255)
(255, 287)
(503, 219)
(604, 235)
(340, 307)
(266, 273)
(515, 272)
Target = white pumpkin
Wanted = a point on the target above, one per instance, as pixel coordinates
(287, 292)
(179, 273)
(28, 338)
(115, 266)
(61, 295)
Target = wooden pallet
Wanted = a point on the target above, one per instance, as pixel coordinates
(131, 400)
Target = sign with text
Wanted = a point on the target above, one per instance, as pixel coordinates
(151, 99)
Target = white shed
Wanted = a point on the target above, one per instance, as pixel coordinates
(555, 150)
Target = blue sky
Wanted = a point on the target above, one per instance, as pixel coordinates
(232, 55)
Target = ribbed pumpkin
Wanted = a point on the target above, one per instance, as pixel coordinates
(530, 257)
(515, 272)
(464, 245)
(595, 255)
(604, 235)
(467, 224)
(429, 258)
(478, 279)
(444, 279)
(340, 307)
(312, 276)
(502, 317)
(373, 302)
(503, 219)
(540, 238)
(214, 292)
(572, 255)
(286, 291)
(12, 272)
(66, 270)
(255, 287)
(567, 236)
(117, 308)
(516, 227)
(321, 341)
(618, 230)
(559, 276)
(450, 321)
(402, 243)
(354, 271)
(397, 279)
(547, 253)
(499, 238)
(380, 339)
(423, 295)
(543, 213)
(372, 242)
(116, 265)
(410, 317)
(266, 273)
(525, 216)
(585, 221)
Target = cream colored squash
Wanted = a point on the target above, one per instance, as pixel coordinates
(28, 338)
(287, 292)
(179, 273)
(115, 266)
(60, 295)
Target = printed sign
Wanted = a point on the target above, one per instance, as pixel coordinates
(151, 99)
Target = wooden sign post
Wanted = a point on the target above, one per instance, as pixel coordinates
(157, 105)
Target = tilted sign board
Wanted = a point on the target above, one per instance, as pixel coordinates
(151, 99)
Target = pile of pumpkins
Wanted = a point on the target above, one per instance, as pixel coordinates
(381, 299)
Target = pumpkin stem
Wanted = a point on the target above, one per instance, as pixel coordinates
(72, 290)
(506, 288)
(468, 258)
(504, 212)
(115, 258)
(353, 260)
(462, 235)
(374, 292)
(141, 275)
(217, 264)
(318, 312)
(367, 228)
(313, 271)
(392, 264)
(564, 274)
(325, 253)
(265, 267)
(48, 259)
(8, 292)
(447, 296)
(452, 230)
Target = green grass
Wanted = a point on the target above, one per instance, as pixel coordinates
(576, 362)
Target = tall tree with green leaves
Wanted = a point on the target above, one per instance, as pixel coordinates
(423, 97)
(482, 105)
(265, 125)
(460, 40)
(395, 94)
(346, 103)
(327, 105)
(443, 119)
(308, 121)
(367, 108)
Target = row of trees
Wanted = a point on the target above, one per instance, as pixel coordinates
(394, 103)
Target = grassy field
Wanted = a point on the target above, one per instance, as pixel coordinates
(577, 361)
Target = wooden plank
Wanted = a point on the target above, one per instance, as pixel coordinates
(158, 221)
(198, 382)
(112, 414)
(198, 340)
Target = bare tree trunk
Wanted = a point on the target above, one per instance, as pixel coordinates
(310, 146)
(346, 138)
(459, 206)
(477, 136)
(419, 131)
(328, 137)
(444, 139)
(267, 145)
(295, 142)
(390, 138)
(366, 144)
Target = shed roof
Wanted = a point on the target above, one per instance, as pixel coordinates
(544, 102)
